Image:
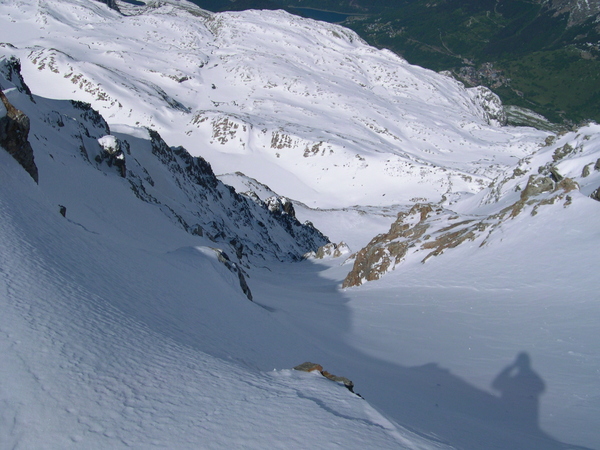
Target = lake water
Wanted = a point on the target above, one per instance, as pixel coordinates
(325, 16)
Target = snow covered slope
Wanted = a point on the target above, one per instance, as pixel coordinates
(126, 271)
(139, 163)
(564, 169)
(112, 340)
(119, 328)
(303, 106)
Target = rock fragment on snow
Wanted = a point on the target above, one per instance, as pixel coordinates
(312, 367)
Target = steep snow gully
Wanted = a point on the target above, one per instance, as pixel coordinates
(147, 303)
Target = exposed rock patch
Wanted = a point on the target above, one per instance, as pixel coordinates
(491, 104)
(112, 154)
(387, 250)
(329, 250)
(112, 4)
(236, 270)
(432, 229)
(197, 201)
(281, 140)
(10, 69)
(280, 205)
(309, 367)
(254, 226)
(225, 130)
(312, 367)
(14, 133)
(537, 185)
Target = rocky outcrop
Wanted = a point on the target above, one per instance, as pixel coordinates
(332, 250)
(387, 250)
(250, 227)
(236, 270)
(312, 367)
(90, 118)
(537, 185)
(112, 4)
(309, 367)
(112, 154)
(14, 133)
(10, 69)
(494, 113)
(280, 205)
(194, 197)
(431, 230)
(180, 161)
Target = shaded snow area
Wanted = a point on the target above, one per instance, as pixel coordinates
(120, 329)
(106, 345)
(223, 197)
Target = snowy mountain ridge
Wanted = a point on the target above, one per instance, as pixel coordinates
(295, 103)
(112, 303)
(565, 166)
(184, 188)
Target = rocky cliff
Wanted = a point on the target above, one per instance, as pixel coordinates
(184, 188)
(111, 4)
(566, 166)
(14, 132)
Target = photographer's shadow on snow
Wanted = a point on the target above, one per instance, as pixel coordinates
(428, 399)
(520, 389)
(432, 400)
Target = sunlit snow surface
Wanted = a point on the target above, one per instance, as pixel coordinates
(303, 106)
(119, 330)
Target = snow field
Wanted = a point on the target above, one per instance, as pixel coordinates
(352, 113)
(109, 341)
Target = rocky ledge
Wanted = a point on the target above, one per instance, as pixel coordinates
(14, 133)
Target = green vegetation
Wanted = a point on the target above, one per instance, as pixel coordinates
(559, 84)
(537, 60)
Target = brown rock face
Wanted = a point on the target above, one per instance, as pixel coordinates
(431, 229)
(388, 249)
(14, 131)
(312, 367)
(309, 367)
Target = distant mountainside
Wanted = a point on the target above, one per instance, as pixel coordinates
(541, 55)
(538, 55)
(305, 107)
